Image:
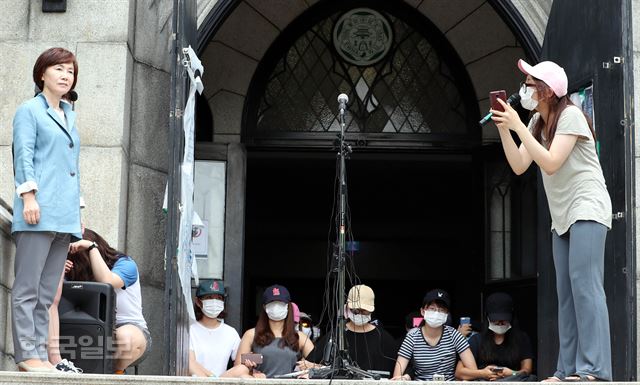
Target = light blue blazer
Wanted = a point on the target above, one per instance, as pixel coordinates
(46, 151)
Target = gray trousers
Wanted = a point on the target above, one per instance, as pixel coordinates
(39, 263)
(583, 318)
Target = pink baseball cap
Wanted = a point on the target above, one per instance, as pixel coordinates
(296, 312)
(549, 72)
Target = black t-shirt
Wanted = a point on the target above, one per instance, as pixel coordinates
(522, 341)
(374, 350)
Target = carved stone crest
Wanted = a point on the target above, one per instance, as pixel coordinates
(362, 36)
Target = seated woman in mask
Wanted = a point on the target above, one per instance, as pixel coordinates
(502, 352)
(369, 346)
(274, 337)
(433, 348)
(307, 327)
(207, 359)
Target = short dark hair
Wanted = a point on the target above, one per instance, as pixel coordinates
(51, 57)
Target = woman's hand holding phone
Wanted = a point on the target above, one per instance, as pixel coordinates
(507, 119)
(494, 96)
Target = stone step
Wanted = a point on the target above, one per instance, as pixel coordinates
(12, 378)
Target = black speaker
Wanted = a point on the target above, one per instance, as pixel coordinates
(87, 323)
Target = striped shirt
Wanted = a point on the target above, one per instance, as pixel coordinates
(439, 359)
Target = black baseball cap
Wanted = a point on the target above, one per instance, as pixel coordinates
(499, 307)
(276, 293)
(438, 295)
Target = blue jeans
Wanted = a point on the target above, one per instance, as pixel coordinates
(583, 318)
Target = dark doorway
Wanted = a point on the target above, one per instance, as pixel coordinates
(418, 218)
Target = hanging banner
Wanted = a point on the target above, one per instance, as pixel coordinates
(186, 259)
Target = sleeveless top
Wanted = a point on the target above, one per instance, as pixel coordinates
(275, 359)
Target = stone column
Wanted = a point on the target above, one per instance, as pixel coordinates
(149, 44)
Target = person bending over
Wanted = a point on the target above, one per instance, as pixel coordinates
(94, 260)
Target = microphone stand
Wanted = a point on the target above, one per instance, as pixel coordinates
(342, 364)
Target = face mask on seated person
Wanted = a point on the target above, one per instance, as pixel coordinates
(276, 310)
(435, 318)
(499, 329)
(360, 319)
(212, 307)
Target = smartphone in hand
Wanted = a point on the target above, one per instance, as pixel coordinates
(497, 369)
(494, 96)
(253, 357)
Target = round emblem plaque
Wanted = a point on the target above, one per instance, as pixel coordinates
(362, 36)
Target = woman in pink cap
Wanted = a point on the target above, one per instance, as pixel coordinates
(560, 140)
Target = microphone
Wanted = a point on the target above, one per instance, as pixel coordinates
(343, 99)
(513, 100)
(73, 96)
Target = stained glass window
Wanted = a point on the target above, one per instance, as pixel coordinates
(410, 90)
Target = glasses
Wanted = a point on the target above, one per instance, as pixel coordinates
(437, 309)
(524, 85)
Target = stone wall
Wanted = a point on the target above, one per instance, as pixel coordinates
(122, 49)
(149, 49)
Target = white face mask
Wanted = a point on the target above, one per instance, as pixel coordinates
(499, 329)
(212, 307)
(306, 331)
(276, 310)
(526, 98)
(360, 319)
(435, 318)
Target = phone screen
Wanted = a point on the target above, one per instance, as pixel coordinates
(494, 96)
(255, 357)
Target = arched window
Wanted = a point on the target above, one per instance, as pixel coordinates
(405, 84)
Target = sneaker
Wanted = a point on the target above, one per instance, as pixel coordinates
(67, 366)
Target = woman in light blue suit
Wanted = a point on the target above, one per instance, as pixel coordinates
(46, 204)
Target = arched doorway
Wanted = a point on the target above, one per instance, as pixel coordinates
(422, 186)
(400, 172)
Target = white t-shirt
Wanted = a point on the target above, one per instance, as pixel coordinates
(129, 297)
(214, 347)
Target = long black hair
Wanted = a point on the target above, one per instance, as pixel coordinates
(510, 348)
